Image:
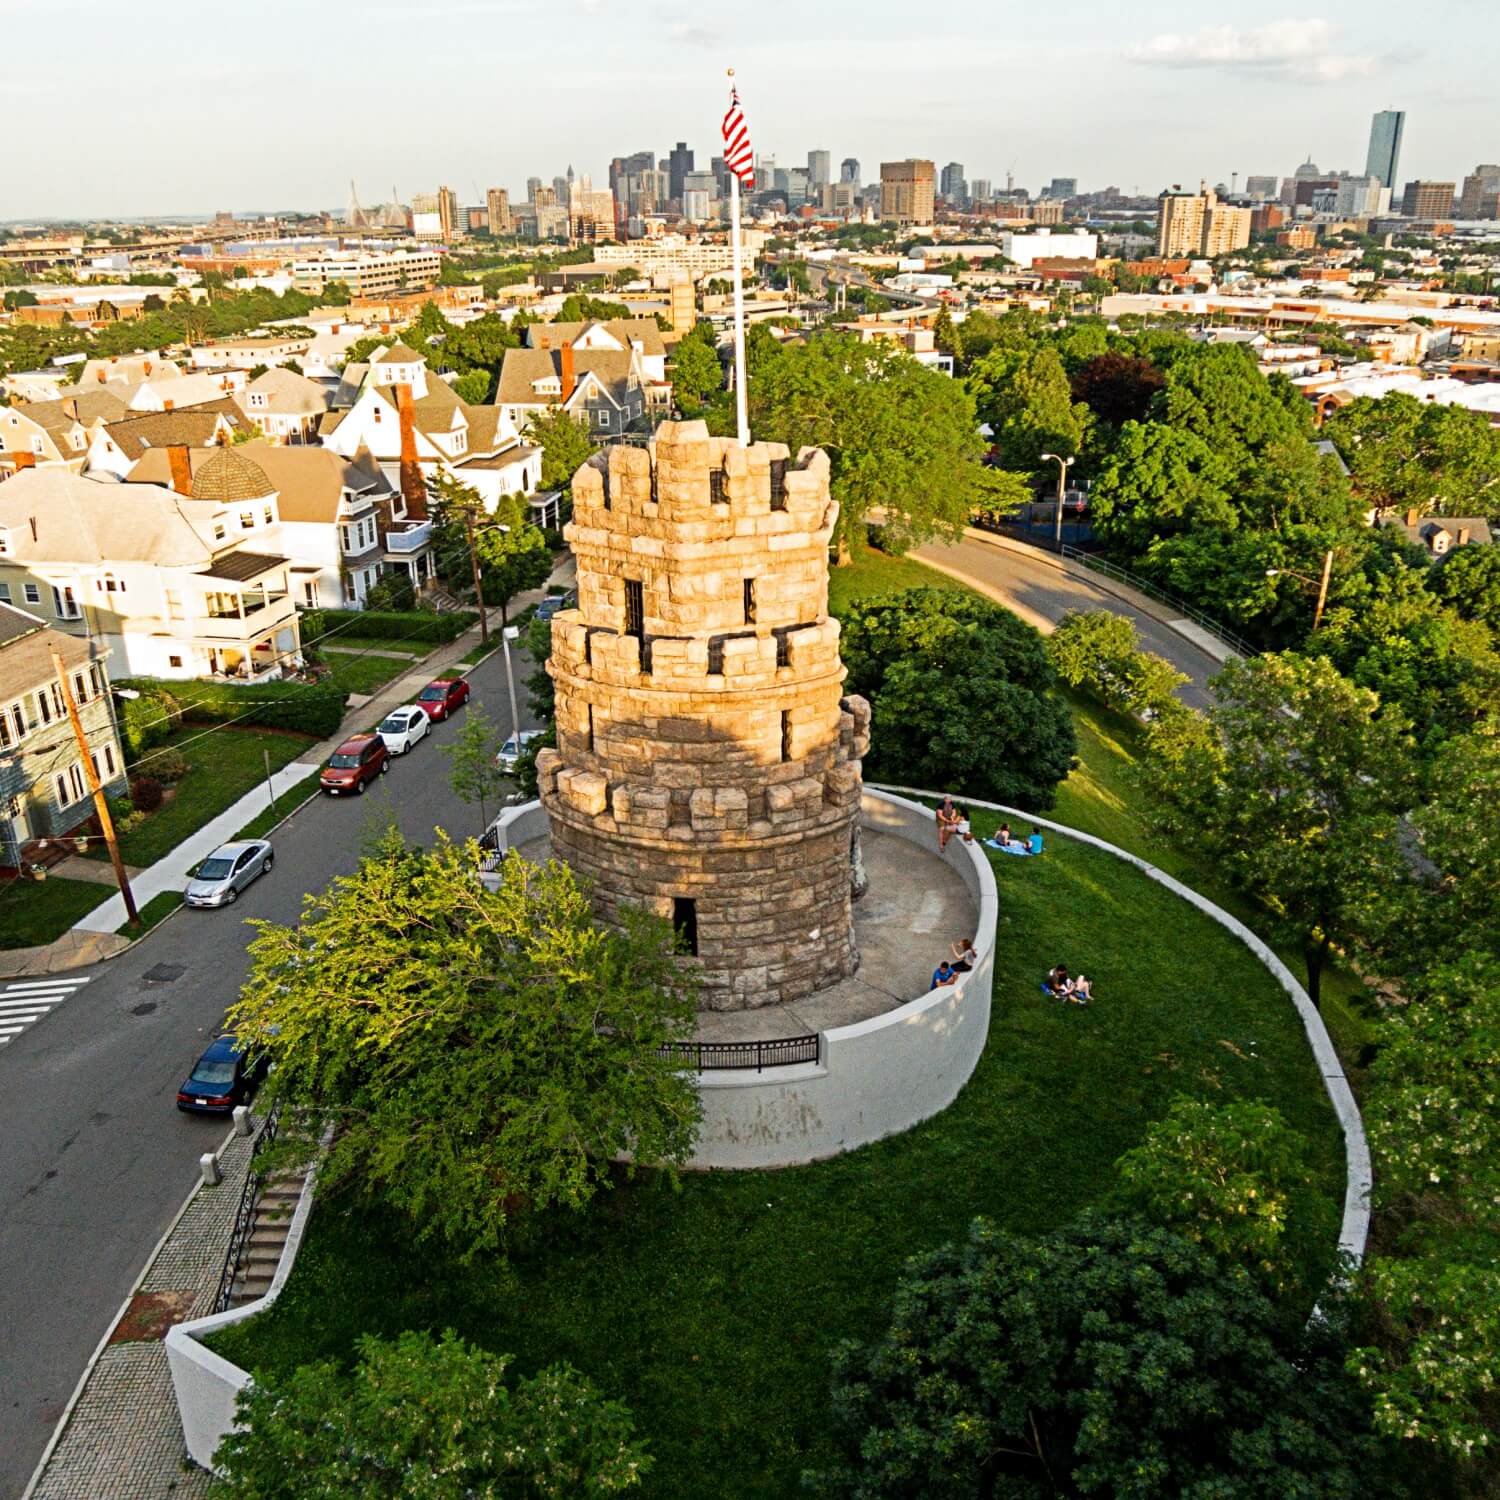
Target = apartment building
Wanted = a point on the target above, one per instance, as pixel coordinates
(668, 257)
(497, 201)
(1200, 224)
(44, 790)
(175, 582)
(907, 191)
(369, 273)
(1480, 198)
(1427, 200)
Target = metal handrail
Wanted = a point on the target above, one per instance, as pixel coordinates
(244, 1217)
(777, 1053)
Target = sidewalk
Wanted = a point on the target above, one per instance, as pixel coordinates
(123, 1436)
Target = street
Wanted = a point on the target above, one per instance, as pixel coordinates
(94, 1156)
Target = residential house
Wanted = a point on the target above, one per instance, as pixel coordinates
(285, 406)
(126, 369)
(175, 583)
(116, 447)
(334, 516)
(44, 790)
(54, 432)
(600, 388)
(479, 445)
(1439, 535)
(271, 350)
(153, 394)
(641, 334)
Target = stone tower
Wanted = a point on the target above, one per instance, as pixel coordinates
(707, 764)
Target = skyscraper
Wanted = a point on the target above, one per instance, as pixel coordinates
(1385, 146)
(906, 191)
(849, 169)
(1428, 200)
(818, 166)
(498, 202)
(953, 186)
(679, 164)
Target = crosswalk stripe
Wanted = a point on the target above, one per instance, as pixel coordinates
(31, 1004)
(44, 984)
(15, 1012)
(13, 1030)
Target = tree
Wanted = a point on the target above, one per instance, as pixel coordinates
(1292, 785)
(565, 445)
(1025, 398)
(946, 336)
(901, 438)
(1099, 652)
(961, 696)
(1117, 388)
(1108, 1358)
(512, 552)
(579, 308)
(696, 372)
(486, 1053)
(1233, 1178)
(424, 1418)
(473, 773)
(1159, 480)
(1468, 581)
(473, 387)
(393, 591)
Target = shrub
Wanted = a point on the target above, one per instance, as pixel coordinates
(392, 592)
(306, 709)
(1096, 651)
(168, 765)
(149, 719)
(146, 793)
(413, 625)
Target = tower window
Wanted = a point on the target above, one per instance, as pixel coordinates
(635, 609)
(685, 923)
(778, 484)
(786, 734)
(783, 656)
(749, 601)
(716, 490)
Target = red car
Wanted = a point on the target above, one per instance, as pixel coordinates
(354, 765)
(438, 699)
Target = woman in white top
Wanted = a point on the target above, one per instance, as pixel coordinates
(964, 956)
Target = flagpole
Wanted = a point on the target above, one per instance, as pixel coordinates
(741, 400)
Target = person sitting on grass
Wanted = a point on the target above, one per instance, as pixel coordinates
(1034, 843)
(964, 956)
(948, 819)
(1058, 985)
(1082, 991)
(945, 973)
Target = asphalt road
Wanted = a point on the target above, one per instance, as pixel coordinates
(94, 1157)
(1041, 593)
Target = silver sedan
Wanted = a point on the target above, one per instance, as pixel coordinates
(221, 877)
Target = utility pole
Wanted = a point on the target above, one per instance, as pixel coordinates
(1323, 588)
(100, 805)
(484, 624)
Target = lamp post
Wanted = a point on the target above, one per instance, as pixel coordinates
(1063, 465)
(508, 633)
(1320, 584)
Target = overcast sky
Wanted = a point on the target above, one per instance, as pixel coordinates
(162, 106)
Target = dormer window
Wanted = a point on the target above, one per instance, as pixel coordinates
(548, 385)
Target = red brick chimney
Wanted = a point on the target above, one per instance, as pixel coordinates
(1413, 515)
(412, 487)
(181, 468)
(26, 460)
(569, 378)
(1464, 535)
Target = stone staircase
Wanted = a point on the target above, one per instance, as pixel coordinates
(271, 1222)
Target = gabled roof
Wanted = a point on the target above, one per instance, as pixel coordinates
(397, 354)
(625, 332)
(87, 408)
(522, 368)
(26, 647)
(287, 393)
(192, 427)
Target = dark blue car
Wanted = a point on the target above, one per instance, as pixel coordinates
(222, 1078)
(554, 602)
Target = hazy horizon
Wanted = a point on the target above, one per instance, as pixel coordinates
(219, 111)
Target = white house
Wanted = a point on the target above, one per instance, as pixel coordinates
(173, 583)
(479, 445)
(153, 394)
(116, 447)
(54, 432)
(285, 406)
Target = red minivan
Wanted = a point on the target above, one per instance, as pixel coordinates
(355, 764)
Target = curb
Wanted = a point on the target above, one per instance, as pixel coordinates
(114, 1322)
(1354, 1229)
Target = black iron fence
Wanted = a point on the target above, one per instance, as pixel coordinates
(244, 1217)
(758, 1055)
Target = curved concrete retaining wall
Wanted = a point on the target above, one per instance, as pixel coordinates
(1355, 1227)
(877, 1077)
(207, 1385)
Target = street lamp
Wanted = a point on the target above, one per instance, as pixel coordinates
(1321, 585)
(1063, 465)
(509, 633)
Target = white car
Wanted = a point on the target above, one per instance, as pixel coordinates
(403, 727)
(510, 752)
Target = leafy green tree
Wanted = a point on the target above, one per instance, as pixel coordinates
(1026, 399)
(1109, 1358)
(1098, 652)
(696, 372)
(424, 1418)
(539, 684)
(485, 1053)
(1117, 388)
(1292, 785)
(1157, 481)
(473, 387)
(392, 591)
(1468, 581)
(901, 438)
(580, 308)
(1234, 1178)
(961, 696)
(565, 445)
(946, 335)
(472, 771)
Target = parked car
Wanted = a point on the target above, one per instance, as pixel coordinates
(355, 764)
(513, 748)
(554, 602)
(221, 877)
(403, 727)
(438, 699)
(223, 1077)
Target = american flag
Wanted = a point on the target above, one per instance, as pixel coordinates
(738, 156)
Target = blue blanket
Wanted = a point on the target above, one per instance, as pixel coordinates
(1021, 849)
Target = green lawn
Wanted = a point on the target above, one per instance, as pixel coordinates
(159, 906)
(403, 644)
(712, 1311)
(263, 822)
(40, 911)
(476, 654)
(364, 674)
(872, 573)
(226, 763)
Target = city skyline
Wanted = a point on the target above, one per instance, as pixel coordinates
(1260, 95)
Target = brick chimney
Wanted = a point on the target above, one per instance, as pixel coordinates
(26, 460)
(413, 489)
(167, 403)
(181, 468)
(1463, 536)
(569, 378)
(1413, 516)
